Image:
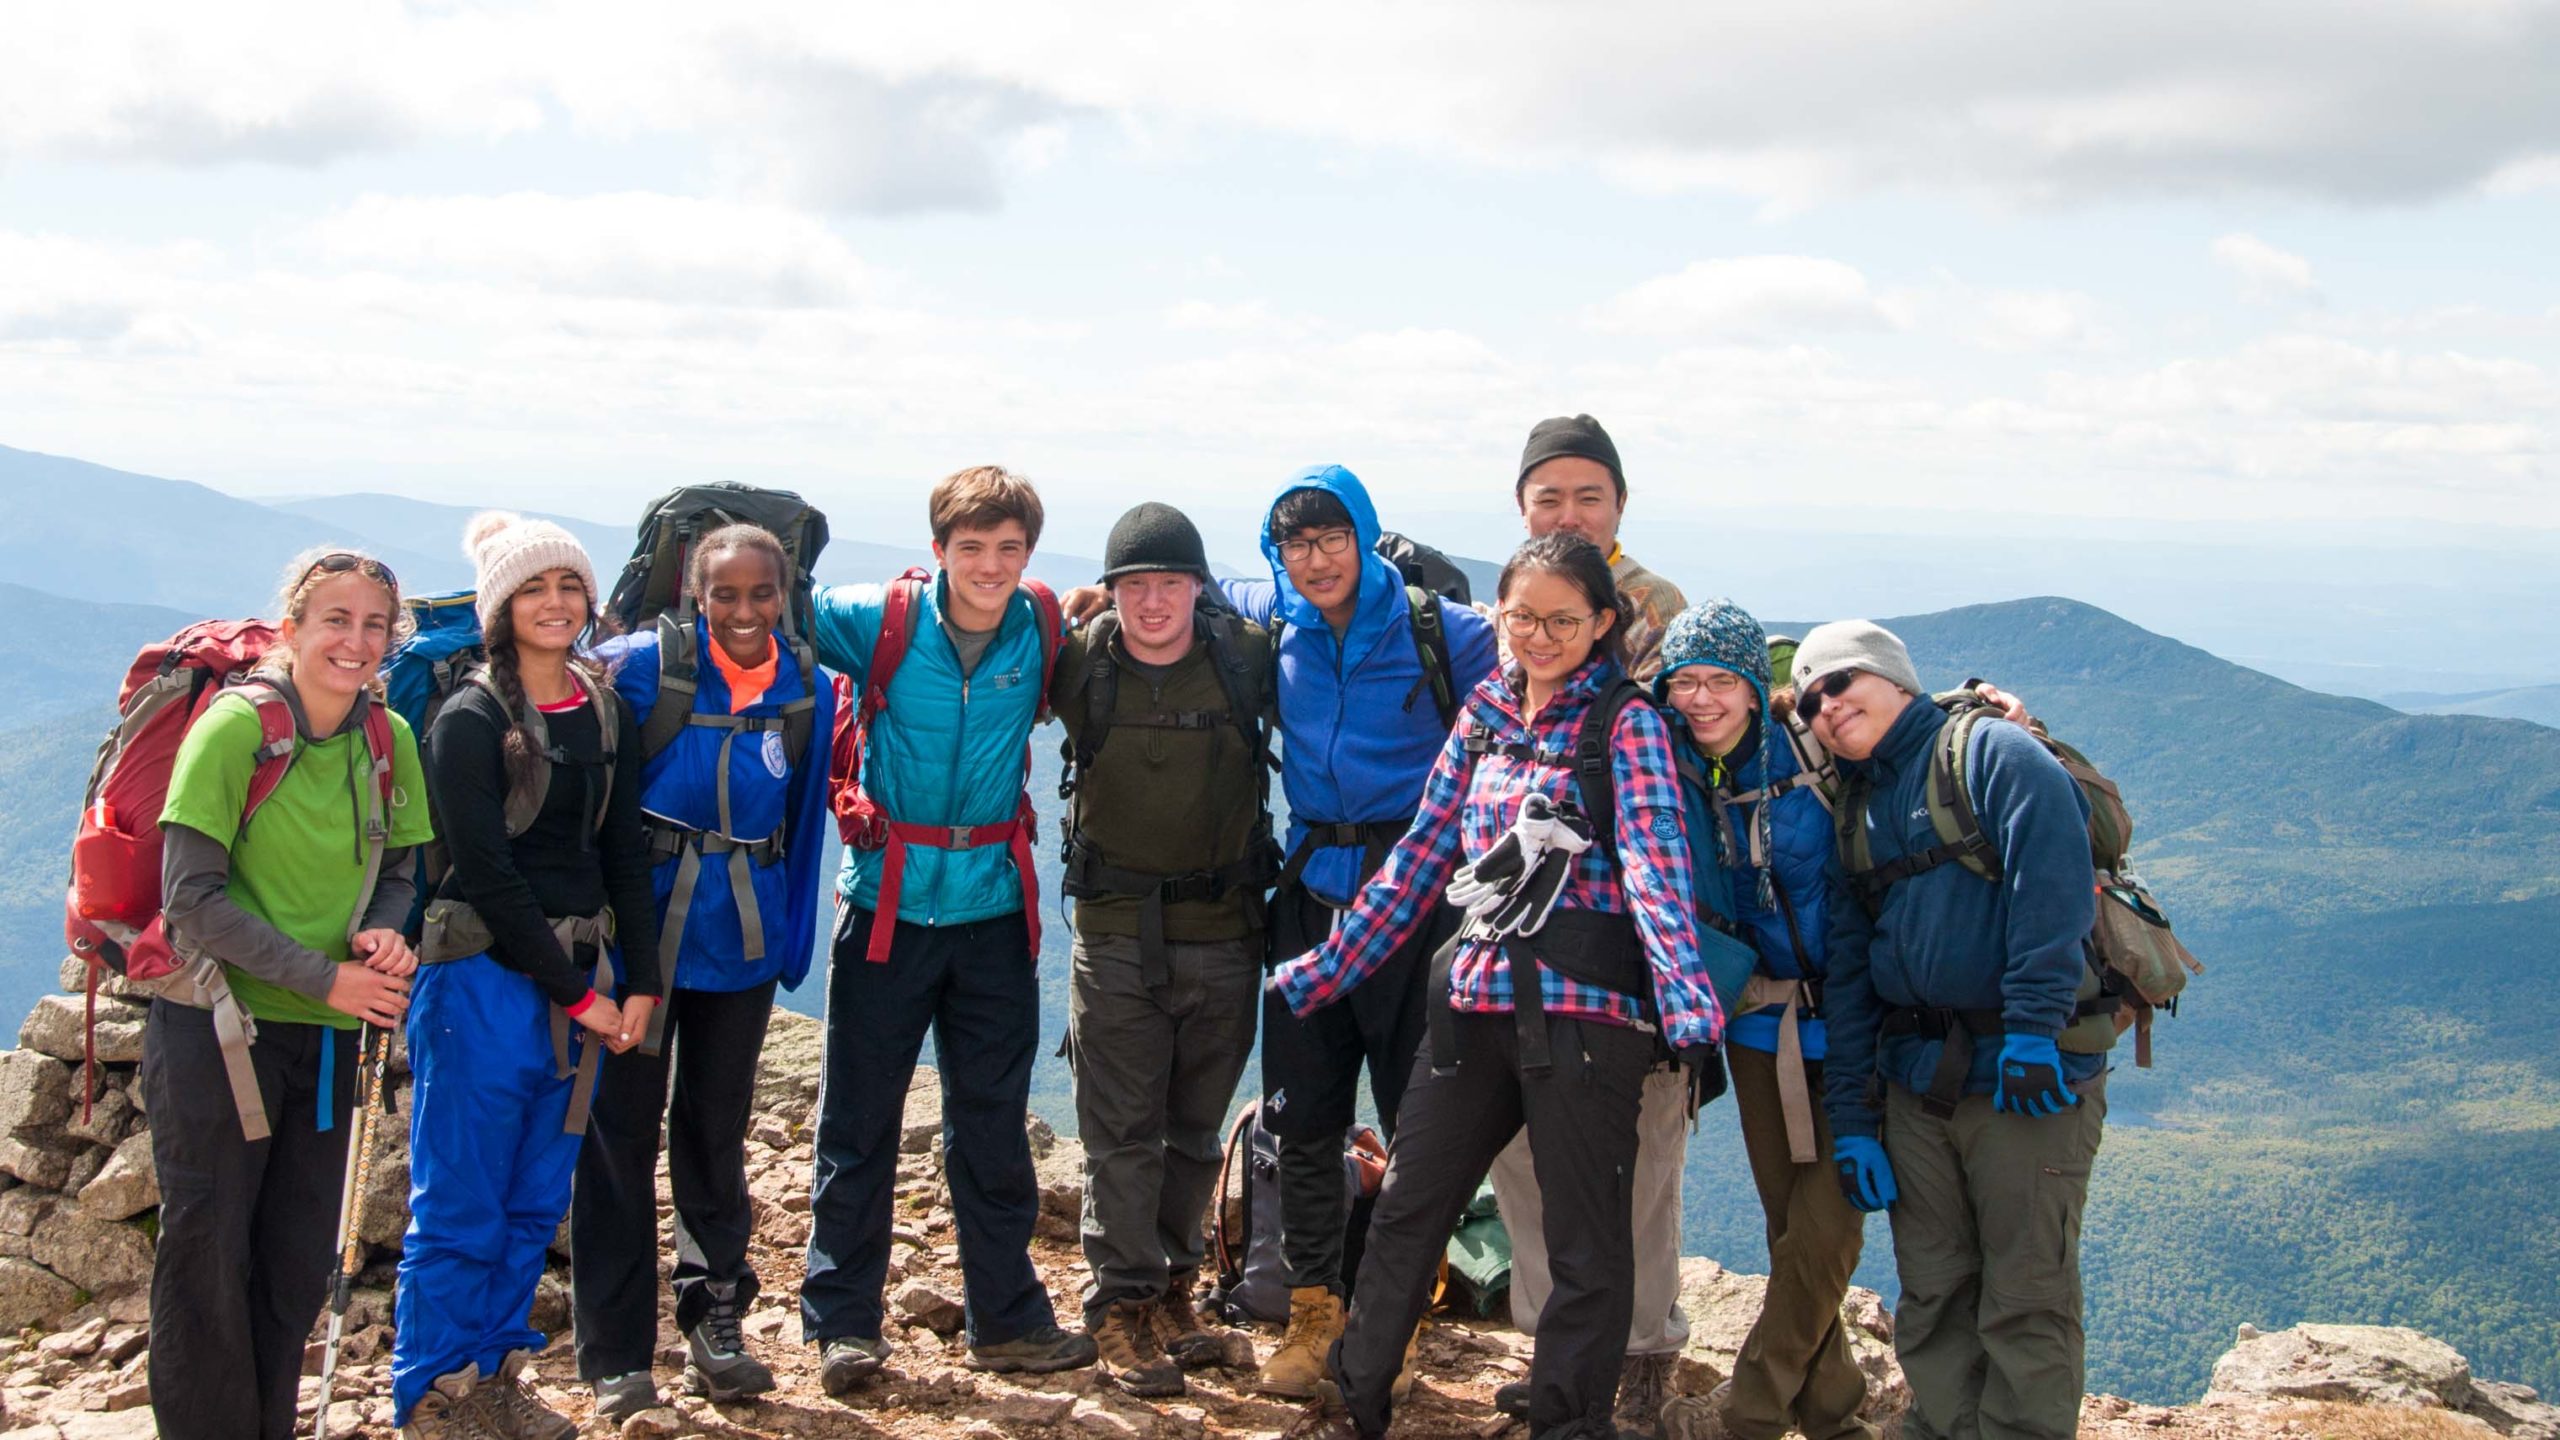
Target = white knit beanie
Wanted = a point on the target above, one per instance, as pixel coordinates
(509, 549)
(1856, 645)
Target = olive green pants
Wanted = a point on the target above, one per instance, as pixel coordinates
(1795, 1370)
(1986, 1236)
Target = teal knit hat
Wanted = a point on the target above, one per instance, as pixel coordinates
(1715, 632)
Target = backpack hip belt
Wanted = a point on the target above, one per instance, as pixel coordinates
(1795, 1098)
(1588, 946)
(1088, 877)
(455, 931)
(1374, 838)
(1015, 834)
(1957, 1029)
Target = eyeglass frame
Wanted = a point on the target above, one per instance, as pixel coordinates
(1306, 548)
(1512, 622)
(1733, 680)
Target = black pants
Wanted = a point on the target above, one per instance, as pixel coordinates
(1311, 1077)
(1581, 1117)
(713, 1039)
(974, 987)
(248, 1230)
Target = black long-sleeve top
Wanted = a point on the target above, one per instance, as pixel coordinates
(560, 866)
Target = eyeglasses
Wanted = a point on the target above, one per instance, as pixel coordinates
(1331, 542)
(1521, 624)
(1718, 683)
(343, 562)
(1829, 687)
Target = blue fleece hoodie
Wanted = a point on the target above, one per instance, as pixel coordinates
(1947, 937)
(1800, 857)
(1358, 728)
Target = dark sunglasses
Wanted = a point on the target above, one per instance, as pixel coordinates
(343, 562)
(1829, 687)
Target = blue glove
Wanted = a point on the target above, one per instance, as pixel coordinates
(2031, 1078)
(1866, 1176)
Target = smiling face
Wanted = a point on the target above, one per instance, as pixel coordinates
(1323, 562)
(1574, 495)
(548, 612)
(985, 568)
(1717, 703)
(742, 602)
(339, 640)
(1155, 613)
(1545, 657)
(1852, 723)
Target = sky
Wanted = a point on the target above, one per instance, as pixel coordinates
(2258, 270)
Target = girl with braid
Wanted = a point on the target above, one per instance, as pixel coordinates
(533, 766)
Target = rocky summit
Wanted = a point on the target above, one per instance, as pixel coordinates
(78, 1217)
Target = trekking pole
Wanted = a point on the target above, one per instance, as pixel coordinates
(350, 1204)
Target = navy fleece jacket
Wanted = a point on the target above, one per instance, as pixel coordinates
(1948, 937)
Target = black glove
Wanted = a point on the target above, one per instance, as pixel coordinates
(1705, 1066)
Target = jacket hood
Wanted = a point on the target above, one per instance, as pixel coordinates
(1377, 577)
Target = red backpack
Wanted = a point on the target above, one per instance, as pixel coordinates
(860, 821)
(112, 915)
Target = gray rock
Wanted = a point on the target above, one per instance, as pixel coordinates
(1722, 1305)
(111, 1116)
(2355, 1364)
(2515, 1411)
(795, 1048)
(32, 1295)
(929, 1307)
(54, 1027)
(84, 1168)
(21, 1209)
(126, 1186)
(922, 1127)
(75, 979)
(35, 1091)
(1024, 1407)
(96, 1255)
(41, 1160)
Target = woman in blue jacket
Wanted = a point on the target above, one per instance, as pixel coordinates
(1759, 827)
(735, 809)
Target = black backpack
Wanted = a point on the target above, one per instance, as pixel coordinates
(1425, 567)
(1244, 1223)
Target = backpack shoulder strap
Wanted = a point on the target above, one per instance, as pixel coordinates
(609, 727)
(1245, 686)
(1814, 766)
(525, 805)
(1053, 625)
(1431, 645)
(1592, 771)
(277, 741)
(678, 678)
(1950, 793)
(897, 635)
(1101, 697)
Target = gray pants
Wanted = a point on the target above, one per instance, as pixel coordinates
(1662, 1152)
(1154, 1074)
(1986, 1236)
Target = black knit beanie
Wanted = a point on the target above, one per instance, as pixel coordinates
(1575, 435)
(1154, 536)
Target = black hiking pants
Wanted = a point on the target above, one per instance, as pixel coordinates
(709, 1063)
(248, 1229)
(1581, 1118)
(1311, 1078)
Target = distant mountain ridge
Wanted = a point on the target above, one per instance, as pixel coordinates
(2537, 703)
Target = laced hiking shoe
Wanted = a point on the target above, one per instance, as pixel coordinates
(1644, 1387)
(1325, 1420)
(619, 1397)
(451, 1410)
(845, 1360)
(1125, 1340)
(508, 1401)
(1181, 1331)
(1296, 1370)
(722, 1369)
(1042, 1352)
(1697, 1417)
(1512, 1399)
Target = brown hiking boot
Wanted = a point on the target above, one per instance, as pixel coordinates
(452, 1409)
(507, 1400)
(1696, 1417)
(1125, 1341)
(1644, 1387)
(1403, 1387)
(1297, 1368)
(1180, 1330)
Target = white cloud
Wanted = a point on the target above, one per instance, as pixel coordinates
(2267, 275)
(1748, 296)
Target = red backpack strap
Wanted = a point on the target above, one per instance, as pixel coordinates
(897, 633)
(1053, 624)
(275, 742)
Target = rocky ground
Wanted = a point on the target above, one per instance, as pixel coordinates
(76, 1229)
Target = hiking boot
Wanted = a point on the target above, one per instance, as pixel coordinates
(847, 1359)
(1043, 1351)
(1326, 1420)
(722, 1369)
(452, 1409)
(1644, 1385)
(1180, 1330)
(1512, 1399)
(1403, 1387)
(514, 1414)
(1124, 1337)
(1697, 1417)
(1297, 1368)
(619, 1397)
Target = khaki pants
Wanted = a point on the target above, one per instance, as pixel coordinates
(1795, 1369)
(1662, 1151)
(1986, 1236)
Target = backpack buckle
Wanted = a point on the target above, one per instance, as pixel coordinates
(960, 836)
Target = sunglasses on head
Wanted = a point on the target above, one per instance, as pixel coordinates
(1831, 686)
(343, 562)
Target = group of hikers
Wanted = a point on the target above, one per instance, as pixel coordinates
(1557, 871)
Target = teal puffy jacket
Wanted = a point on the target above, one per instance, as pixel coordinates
(946, 751)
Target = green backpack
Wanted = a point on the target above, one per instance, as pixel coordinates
(2136, 965)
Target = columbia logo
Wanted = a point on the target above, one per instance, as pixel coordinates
(1922, 813)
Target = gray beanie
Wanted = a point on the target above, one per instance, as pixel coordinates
(1856, 645)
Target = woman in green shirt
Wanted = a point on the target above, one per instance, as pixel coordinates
(246, 1227)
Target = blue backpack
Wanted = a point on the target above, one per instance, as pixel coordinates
(433, 662)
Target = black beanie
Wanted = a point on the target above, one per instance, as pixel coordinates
(1575, 435)
(1154, 536)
